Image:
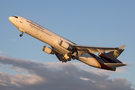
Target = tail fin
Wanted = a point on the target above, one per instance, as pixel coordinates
(113, 55)
(116, 53)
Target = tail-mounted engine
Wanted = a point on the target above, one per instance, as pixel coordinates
(48, 50)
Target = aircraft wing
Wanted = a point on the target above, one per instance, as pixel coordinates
(93, 49)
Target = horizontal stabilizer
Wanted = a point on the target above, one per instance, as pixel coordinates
(114, 64)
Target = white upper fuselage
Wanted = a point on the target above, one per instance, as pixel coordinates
(41, 33)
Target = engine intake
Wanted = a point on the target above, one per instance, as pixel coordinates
(48, 50)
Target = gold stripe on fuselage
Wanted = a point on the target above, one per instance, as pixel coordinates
(99, 66)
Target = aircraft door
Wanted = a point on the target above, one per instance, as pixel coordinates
(21, 21)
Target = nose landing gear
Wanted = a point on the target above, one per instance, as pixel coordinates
(21, 34)
(22, 31)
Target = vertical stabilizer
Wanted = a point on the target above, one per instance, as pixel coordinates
(116, 53)
(113, 55)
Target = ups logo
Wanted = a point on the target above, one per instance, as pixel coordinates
(116, 54)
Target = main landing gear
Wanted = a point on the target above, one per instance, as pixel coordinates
(21, 34)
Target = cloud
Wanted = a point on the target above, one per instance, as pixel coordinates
(2, 52)
(55, 76)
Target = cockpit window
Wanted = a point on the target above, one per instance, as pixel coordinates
(15, 16)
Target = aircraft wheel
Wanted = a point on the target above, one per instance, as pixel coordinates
(21, 35)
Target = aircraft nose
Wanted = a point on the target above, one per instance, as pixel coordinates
(10, 19)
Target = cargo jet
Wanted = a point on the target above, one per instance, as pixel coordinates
(65, 50)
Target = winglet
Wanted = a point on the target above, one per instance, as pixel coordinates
(122, 47)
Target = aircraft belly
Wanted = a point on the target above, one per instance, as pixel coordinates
(89, 61)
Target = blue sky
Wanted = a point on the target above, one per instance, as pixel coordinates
(106, 23)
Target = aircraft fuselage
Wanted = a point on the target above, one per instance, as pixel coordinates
(41, 33)
(66, 50)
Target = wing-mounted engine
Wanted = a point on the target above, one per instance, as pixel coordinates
(63, 58)
(48, 50)
(65, 45)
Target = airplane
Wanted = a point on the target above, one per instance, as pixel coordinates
(65, 50)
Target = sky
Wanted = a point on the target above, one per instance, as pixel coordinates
(104, 23)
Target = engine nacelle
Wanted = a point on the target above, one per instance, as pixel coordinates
(65, 45)
(48, 50)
